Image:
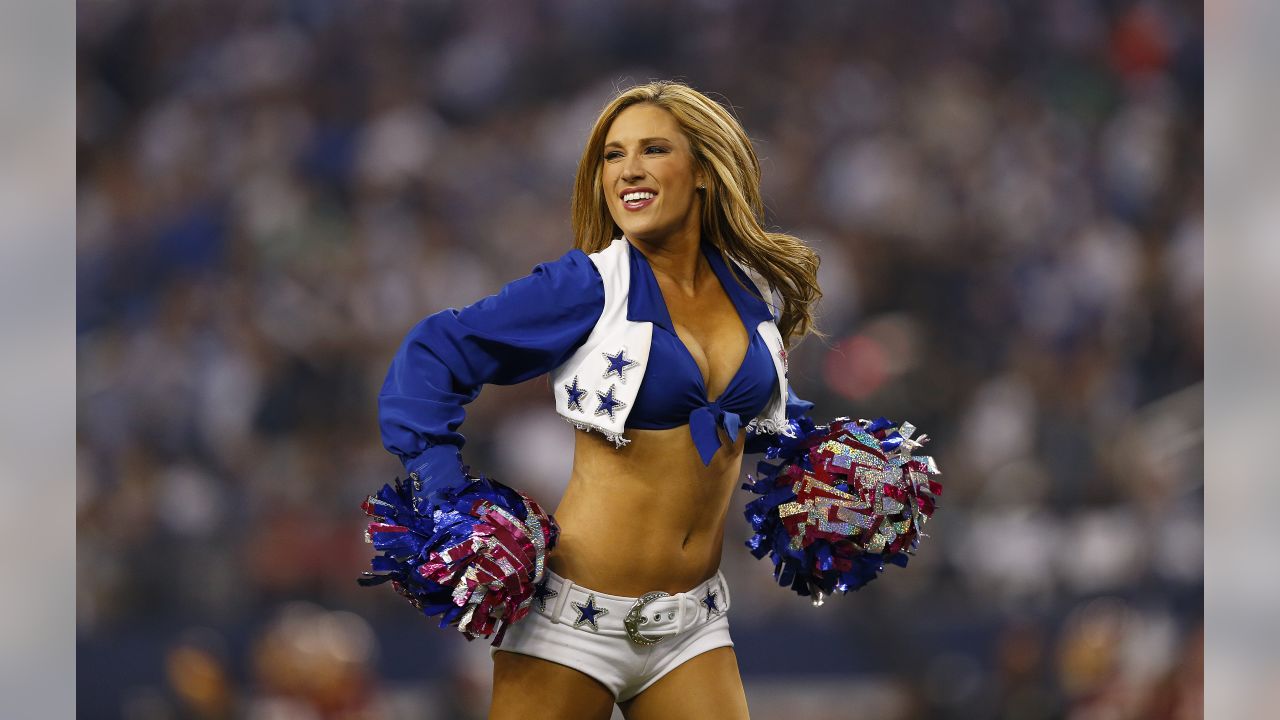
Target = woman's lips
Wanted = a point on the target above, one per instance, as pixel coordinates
(637, 198)
(635, 205)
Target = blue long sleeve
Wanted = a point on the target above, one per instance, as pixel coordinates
(528, 328)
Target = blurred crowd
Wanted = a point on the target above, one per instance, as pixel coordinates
(1006, 198)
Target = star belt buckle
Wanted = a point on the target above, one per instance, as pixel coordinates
(636, 614)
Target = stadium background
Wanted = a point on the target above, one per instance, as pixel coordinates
(1007, 200)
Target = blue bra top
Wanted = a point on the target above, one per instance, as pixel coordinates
(532, 326)
(674, 391)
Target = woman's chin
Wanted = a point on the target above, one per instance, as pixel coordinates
(639, 232)
(649, 232)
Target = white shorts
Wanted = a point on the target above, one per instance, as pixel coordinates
(588, 631)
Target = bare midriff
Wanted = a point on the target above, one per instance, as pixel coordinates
(647, 516)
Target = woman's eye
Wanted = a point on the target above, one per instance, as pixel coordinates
(612, 155)
(652, 149)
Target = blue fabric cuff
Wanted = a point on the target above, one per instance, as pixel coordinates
(439, 467)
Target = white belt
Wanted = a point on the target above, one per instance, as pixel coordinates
(645, 620)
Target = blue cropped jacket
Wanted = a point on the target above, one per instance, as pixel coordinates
(578, 319)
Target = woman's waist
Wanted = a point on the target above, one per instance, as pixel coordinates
(630, 550)
(648, 516)
(619, 569)
(651, 454)
(653, 497)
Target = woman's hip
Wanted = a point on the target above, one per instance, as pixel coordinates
(625, 643)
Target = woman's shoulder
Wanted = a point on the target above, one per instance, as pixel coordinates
(570, 282)
(572, 262)
(572, 269)
(612, 265)
(612, 255)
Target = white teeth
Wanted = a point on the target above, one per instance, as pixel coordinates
(634, 196)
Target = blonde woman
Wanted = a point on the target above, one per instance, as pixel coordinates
(665, 333)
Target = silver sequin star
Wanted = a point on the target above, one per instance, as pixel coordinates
(542, 593)
(575, 395)
(588, 612)
(619, 364)
(608, 403)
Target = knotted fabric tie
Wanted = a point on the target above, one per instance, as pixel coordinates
(702, 425)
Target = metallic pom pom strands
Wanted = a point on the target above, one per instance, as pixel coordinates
(844, 499)
(474, 557)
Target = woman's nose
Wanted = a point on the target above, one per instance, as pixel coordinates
(631, 168)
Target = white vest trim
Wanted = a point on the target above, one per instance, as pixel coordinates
(606, 384)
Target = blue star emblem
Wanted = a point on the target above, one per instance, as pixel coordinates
(608, 403)
(619, 364)
(575, 395)
(710, 601)
(588, 612)
(541, 593)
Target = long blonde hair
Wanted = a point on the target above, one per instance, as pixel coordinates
(732, 210)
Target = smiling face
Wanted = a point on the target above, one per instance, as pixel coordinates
(649, 175)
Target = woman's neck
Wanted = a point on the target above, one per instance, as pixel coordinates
(677, 258)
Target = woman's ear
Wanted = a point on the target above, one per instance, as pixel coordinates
(699, 175)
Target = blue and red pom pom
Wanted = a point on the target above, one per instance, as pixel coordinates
(844, 499)
(471, 556)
